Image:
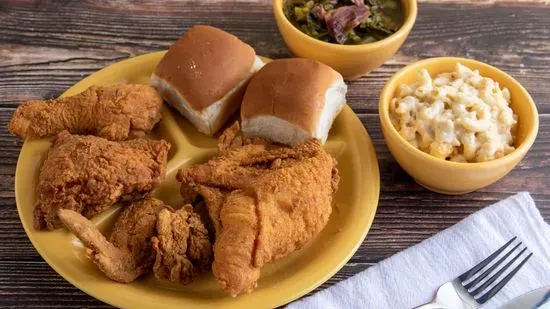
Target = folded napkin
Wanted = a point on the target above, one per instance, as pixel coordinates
(411, 278)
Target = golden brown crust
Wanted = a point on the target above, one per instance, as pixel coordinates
(182, 246)
(265, 201)
(236, 244)
(128, 253)
(291, 89)
(135, 226)
(233, 137)
(205, 64)
(88, 174)
(115, 112)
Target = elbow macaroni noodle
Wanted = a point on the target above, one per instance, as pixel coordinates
(459, 116)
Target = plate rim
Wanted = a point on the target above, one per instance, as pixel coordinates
(357, 125)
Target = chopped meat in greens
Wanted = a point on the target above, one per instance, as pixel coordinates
(346, 21)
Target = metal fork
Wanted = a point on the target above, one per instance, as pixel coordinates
(476, 286)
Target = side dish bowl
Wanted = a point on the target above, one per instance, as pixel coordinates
(453, 177)
(352, 61)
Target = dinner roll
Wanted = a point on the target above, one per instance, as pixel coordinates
(292, 100)
(204, 75)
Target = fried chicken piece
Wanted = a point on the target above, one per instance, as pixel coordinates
(182, 246)
(88, 174)
(238, 243)
(214, 199)
(239, 167)
(265, 202)
(114, 112)
(128, 253)
(233, 137)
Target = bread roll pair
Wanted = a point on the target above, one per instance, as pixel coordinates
(205, 73)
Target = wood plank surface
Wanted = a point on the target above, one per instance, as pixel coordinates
(47, 46)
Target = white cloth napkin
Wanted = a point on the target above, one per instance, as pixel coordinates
(411, 278)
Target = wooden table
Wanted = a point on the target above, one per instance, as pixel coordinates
(45, 47)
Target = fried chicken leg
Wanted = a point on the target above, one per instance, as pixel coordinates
(128, 253)
(88, 174)
(114, 112)
(265, 201)
(182, 246)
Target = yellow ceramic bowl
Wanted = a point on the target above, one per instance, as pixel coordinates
(352, 61)
(452, 177)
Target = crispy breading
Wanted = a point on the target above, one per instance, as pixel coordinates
(233, 137)
(114, 112)
(88, 174)
(182, 246)
(265, 202)
(128, 253)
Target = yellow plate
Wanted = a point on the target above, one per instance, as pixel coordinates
(280, 283)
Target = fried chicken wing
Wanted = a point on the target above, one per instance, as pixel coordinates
(88, 174)
(114, 112)
(128, 253)
(182, 246)
(265, 202)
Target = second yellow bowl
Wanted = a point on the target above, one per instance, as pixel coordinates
(453, 177)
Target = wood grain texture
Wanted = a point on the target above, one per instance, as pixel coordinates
(47, 46)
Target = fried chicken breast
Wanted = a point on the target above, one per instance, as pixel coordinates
(128, 253)
(114, 112)
(265, 202)
(182, 246)
(88, 174)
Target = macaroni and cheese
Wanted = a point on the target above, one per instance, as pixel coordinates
(459, 116)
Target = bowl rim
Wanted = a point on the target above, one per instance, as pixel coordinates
(410, 19)
(388, 127)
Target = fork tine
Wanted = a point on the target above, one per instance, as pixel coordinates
(493, 267)
(495, 277)
(465, 276)
(502, 283)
